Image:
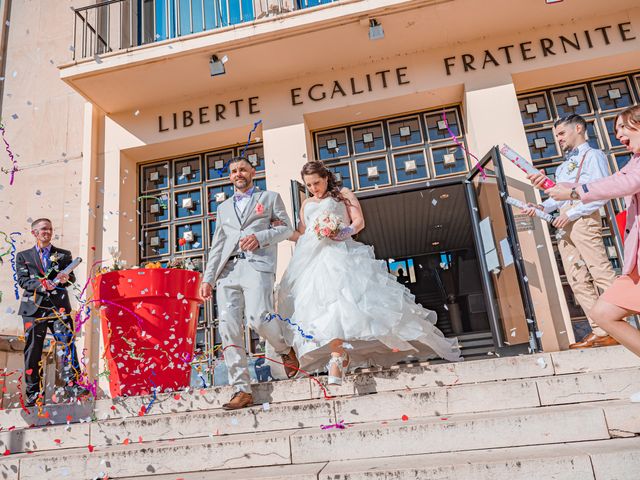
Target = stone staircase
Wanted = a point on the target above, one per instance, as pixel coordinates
(562, 415)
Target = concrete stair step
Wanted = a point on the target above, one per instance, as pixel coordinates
(599, 460)
(307, 471)
(422, 403)
(391, 405)
(397, 378)
(455, 433)
(539, 426)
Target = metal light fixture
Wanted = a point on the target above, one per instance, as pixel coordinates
(376, 31)
(216, 65)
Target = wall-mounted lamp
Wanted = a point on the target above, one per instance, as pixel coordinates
(375, 30)
(216, 65)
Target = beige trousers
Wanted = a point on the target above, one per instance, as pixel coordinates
(585, 262)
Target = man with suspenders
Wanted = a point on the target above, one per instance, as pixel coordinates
(583, 253)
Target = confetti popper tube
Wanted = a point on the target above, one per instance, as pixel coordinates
(520, 204)
(524, 165)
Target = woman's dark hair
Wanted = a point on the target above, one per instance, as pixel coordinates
(630, 117)
(318, 168)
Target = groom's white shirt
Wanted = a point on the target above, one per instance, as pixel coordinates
(234, 223)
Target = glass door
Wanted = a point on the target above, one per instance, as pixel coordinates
(510, 308)
(298, 195)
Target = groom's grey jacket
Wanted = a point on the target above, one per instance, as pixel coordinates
(263, 208)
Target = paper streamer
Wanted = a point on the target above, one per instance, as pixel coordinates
(155, 395)
(242, 152)
(8, 251)
(161, 199)
(457, 142)
(255, 126)
(16, 290)
(14, 168)
(271, 316)
(340, 425)
(4, 374)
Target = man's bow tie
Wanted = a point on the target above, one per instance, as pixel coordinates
(572, 153)
(239, 196)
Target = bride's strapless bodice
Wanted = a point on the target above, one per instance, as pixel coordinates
(329, 204)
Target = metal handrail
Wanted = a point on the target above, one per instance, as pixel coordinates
(96, 5)
(141, 26)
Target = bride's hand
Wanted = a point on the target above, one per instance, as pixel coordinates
(344, 234)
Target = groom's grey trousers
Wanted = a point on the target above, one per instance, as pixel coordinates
(243, 292)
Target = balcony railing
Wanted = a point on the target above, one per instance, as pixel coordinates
(119, 24)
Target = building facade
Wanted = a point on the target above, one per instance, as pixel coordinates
(125, 143)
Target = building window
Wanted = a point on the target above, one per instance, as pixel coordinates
(598, 102)
(393, 151)
(178, 200)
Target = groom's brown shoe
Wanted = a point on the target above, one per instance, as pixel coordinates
(291, 363)
(239, 400)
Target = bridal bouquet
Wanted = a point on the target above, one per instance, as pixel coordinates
(327, 225)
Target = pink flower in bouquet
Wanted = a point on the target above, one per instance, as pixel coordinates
(259, 209)
(327, 225)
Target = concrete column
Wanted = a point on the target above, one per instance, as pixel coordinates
(493, 118)
(90, 222)
(286, 149)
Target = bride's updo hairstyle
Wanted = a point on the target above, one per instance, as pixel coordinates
(318, 168)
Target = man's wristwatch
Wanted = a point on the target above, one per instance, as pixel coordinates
(574, 194)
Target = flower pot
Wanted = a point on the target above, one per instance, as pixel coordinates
(149, 319)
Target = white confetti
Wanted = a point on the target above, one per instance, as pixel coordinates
(541, 363)
(434, 202)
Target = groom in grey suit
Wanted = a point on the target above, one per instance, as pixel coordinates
(242, 266)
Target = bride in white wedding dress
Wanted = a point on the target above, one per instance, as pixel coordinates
(337, 293)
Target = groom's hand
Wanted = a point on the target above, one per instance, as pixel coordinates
(249, 243)
(206, 291)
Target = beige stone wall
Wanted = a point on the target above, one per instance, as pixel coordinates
(43, 118)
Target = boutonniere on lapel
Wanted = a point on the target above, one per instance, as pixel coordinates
(572, 166)
(55, 258)
(259, 208)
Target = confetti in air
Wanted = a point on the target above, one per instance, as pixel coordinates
(14, 167)
(457, 142)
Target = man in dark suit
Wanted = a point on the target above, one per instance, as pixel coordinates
(45, 305)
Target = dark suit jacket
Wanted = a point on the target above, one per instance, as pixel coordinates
(30, 270)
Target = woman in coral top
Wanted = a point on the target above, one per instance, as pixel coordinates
(623, 297)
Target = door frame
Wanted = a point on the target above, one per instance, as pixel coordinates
(514, 244)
